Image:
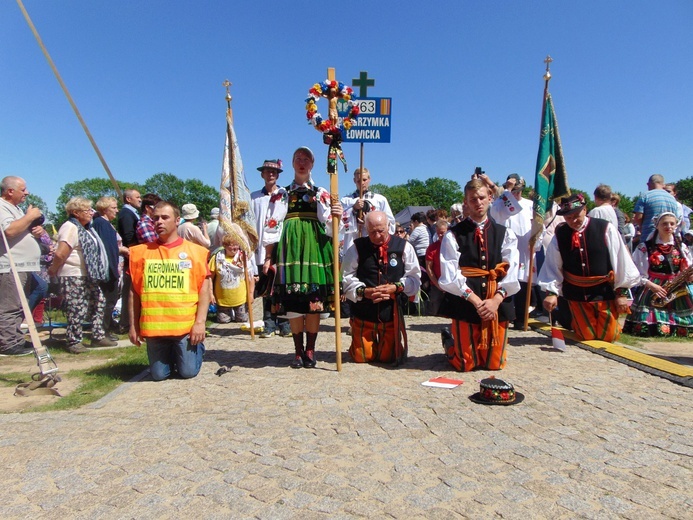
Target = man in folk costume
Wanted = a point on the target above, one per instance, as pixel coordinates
(170, 297)
(589, 265)
(358, 204)
(478, 270)
(380, 272)
(269, 207)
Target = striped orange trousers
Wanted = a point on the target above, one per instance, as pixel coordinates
(378, 342)
(595, 320)
(468, 352)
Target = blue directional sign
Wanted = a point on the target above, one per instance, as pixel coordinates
(373, 122)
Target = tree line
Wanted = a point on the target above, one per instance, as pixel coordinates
(435, 191)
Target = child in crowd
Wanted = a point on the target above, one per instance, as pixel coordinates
(228, 277)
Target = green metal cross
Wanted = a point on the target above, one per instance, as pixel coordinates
(363, 83)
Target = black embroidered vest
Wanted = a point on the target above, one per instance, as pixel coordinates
(372, 271)
(471, 255)
(590, 259)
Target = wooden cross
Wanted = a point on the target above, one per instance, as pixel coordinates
(334, 196)
(363, 82)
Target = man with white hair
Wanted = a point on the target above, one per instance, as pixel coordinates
(380, 272)
(19, 228)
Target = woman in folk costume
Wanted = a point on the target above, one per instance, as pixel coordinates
(304, 283)
(228, 275)
(660, 259)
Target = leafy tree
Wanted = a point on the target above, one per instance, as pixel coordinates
(38, 202)
(202, 195)
(443, 192)
(684, 191)
(397, 196)
(179, 191)
(626, 204)
(167, 186)
(437, 192)
(92, 189)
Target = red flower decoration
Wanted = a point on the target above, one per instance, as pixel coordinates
(272, 223)
(665, 328)
(656, 259)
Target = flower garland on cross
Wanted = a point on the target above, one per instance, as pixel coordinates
(332, 90)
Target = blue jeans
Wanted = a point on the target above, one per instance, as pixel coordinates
(39, 290)
(167, 353)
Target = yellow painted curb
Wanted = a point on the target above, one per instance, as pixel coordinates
(622, 351)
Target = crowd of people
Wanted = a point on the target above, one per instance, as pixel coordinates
(479, 265)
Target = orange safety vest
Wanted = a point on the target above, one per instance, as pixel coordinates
(168, 279)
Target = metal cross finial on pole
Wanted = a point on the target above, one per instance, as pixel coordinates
(547, 74)
(227, 84)
(532, 242)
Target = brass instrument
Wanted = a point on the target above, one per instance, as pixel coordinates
(674, 288)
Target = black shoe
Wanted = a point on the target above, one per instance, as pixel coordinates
(19, 350)
(297, 362)
(446, 337)
(308, 362)
(112, 337)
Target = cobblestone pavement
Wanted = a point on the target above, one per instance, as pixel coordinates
(593, 439)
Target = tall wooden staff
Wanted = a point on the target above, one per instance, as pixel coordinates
(332, 136)
(332, 170)
(69, 98)
(533, 238)
(234, 200)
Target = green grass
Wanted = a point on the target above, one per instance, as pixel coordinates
(119, 366)
(640, 341)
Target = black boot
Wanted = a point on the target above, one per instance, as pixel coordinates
(309, 356)
(298, 346)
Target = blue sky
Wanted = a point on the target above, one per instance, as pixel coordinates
(465, 78)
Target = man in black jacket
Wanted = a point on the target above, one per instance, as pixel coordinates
(379, 271)
(127, 229)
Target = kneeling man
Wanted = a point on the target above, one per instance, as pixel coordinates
(589, 265)
(169, 298)
(478, 268)
(380, 272)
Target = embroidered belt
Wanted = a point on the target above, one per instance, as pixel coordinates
(588, 281)
(303, 215)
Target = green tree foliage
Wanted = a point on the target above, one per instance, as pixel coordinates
(437, 192)
(37, 202)
(203, 196)
(165, 185)
(92, 189)
(179, 191)
(626, 204)
(684, 191)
